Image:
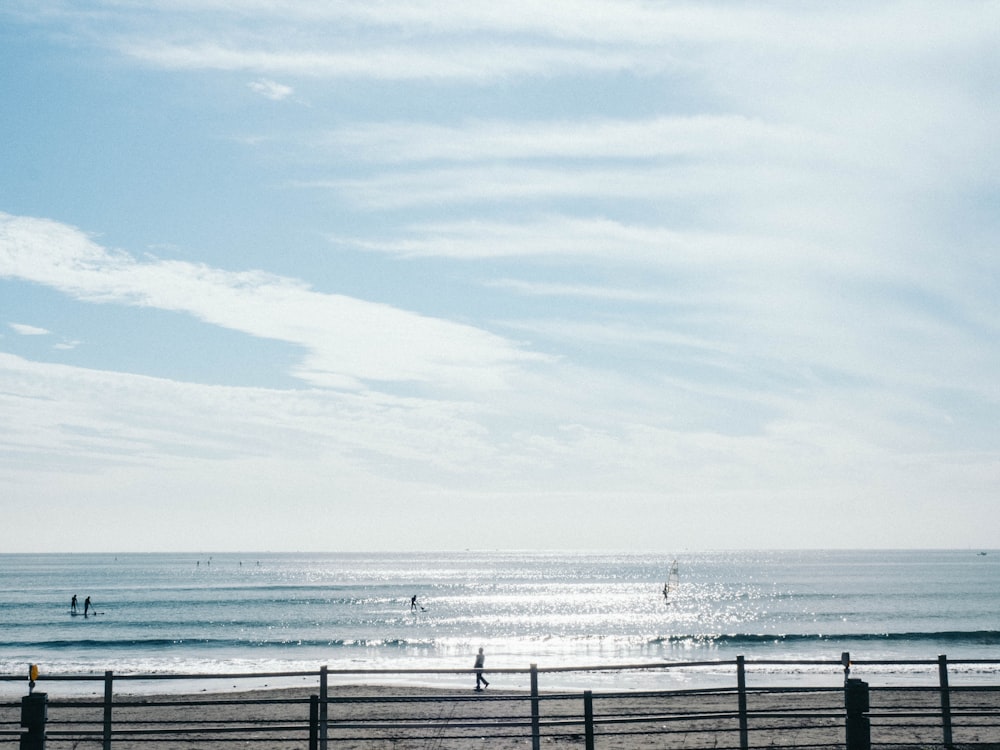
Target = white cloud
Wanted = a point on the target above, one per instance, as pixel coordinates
(26, 330)
(108, 433)
(478, 40)
(93, 419)
(744, 264)
(627, 21)
(581, 238)
(271, 89)
(539, 184)
(737, 137)
(460, 61)
(541, 289)
(346, 341)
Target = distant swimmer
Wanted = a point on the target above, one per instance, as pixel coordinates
(72, 604)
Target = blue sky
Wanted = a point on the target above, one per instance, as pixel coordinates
(446, 275)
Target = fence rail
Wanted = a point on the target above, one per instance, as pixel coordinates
(854, 714)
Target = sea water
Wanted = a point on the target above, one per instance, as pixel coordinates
(247, 613)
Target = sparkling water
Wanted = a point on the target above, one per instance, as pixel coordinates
(242, 613)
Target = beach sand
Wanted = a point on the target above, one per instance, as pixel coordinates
(369, 717)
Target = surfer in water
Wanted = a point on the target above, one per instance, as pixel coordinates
(413, 603)
(72, 604)
(86, 606)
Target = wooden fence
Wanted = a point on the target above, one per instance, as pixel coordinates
(370, 714)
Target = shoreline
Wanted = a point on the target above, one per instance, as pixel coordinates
(719, 675)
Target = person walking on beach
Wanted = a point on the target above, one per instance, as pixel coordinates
(72, 604)
(480, 660)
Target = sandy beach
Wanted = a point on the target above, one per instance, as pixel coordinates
(365, 717)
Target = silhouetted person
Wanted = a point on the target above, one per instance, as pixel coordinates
(480, 680)
(72, 604)
(413, 603)
(86, 606)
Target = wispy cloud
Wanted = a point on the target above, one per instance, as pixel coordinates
(576, 238)
(478, 40)
(541, 185)
(461, 61)
(271, 89)
(84, 422)
(584, 291)
(702, 251)
(735, 136)
(346, 341)
(28, 330)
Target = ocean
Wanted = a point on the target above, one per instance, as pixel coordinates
(244, 613)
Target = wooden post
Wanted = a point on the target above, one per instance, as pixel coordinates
(536, 729)
(741, 689)
(945, 700)
(323, 708)
(34, 715)
(588, 719)
(313, 722)
(857, 704)
(108, 693)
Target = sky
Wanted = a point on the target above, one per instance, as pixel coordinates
(585, 275)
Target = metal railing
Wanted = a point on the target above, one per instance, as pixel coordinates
(855, 715)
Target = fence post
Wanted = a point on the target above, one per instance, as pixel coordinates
(34, 715)
(741, 691)
(945, 700)
(536, 729)
(313, 722)
(323, 708)
(588, 719)
(857, 704)
(108, 693)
